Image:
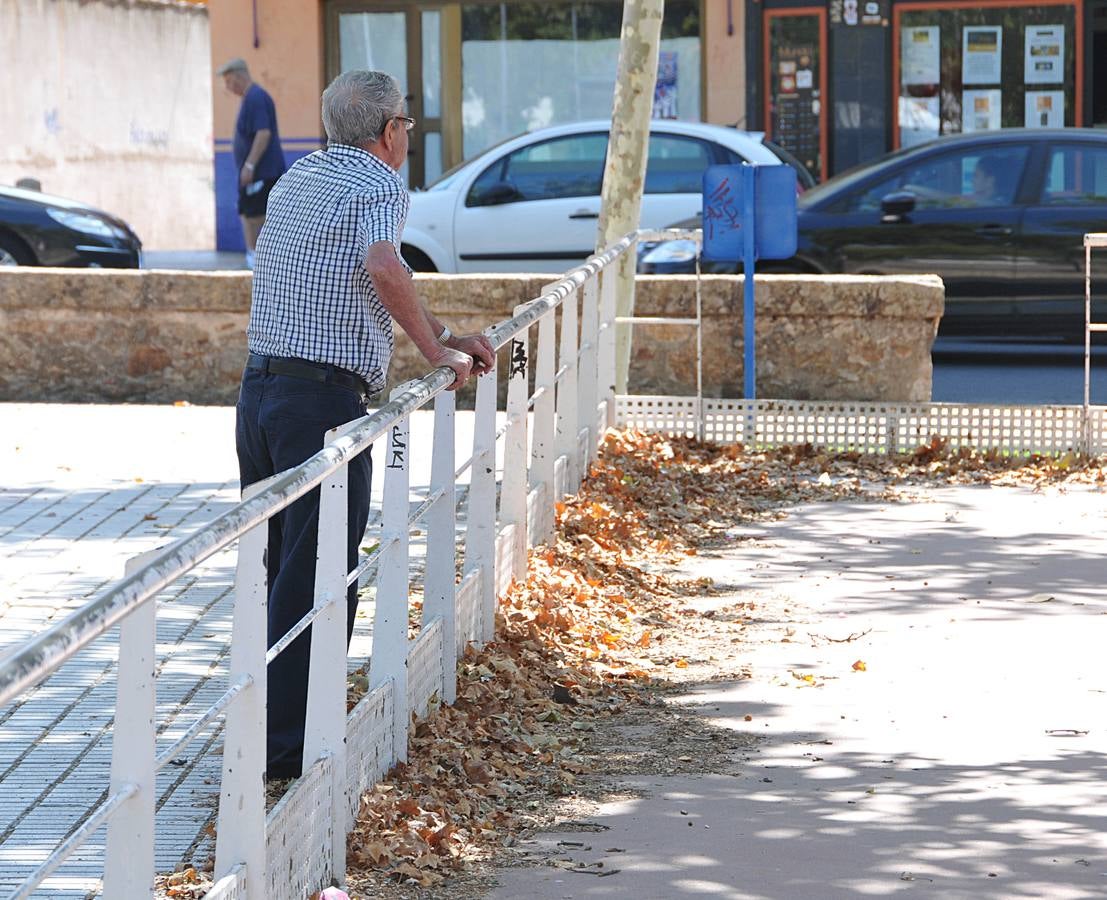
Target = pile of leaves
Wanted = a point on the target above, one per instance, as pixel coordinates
(587, 630)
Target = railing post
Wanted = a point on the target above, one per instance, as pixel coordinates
(543, 459)
(567, 425)
(390, 641)
(624, 302)
(480, 527)
(513, 493)
(240, 831)
(325, 725)
(439, 594)
(129, 854)
(589, 371)
(606, 344)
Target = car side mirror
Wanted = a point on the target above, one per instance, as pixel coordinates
(498, 193)
(896, 205)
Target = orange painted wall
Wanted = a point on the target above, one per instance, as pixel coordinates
(724, 63)
(288, 62)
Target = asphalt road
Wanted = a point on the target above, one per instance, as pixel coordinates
(1015, 373)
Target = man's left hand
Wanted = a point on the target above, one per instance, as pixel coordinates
(245, 176)
(477, 346)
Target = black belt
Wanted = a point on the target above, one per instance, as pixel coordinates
(324, 373)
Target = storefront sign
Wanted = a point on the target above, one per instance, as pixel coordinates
(1045, 109)
(1045, 54)
(981, 54)
(980, 110)
(921, 56)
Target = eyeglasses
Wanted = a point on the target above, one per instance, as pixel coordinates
(409, 122)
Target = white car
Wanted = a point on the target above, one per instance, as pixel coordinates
(531, 203)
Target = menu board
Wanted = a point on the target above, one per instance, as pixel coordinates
(795, 98)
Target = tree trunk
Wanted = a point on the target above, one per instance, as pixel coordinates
(627, 149)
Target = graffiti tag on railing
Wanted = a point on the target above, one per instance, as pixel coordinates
(396, 449)
(518, 357)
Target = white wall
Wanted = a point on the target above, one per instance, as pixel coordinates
(109, 102)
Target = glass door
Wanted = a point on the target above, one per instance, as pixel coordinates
(406, 42)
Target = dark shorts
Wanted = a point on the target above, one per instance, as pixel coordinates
(252, 205)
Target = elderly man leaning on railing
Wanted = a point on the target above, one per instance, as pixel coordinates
(328, 280)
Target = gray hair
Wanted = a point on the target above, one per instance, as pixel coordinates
(358, 104)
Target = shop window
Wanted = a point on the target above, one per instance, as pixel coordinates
(979, 68)
(676, 165)
(527, 65)
(977, 178)
(552, 170)
(1076, 176)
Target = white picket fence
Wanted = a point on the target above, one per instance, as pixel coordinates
(300, 845)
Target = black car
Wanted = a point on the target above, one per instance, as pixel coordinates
(1000, 216)
(40, 230)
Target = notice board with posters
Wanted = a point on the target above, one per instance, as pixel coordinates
(795, 84)
(960, 66)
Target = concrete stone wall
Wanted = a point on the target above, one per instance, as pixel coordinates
(149, 336)
(109, 103)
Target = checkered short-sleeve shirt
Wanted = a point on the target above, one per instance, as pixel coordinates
(312, 298)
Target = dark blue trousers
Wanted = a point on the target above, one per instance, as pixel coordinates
(282, 421)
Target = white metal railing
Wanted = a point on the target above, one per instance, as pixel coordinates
(299, 846)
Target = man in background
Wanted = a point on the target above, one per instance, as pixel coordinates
(258, 157)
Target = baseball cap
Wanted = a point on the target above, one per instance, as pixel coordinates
(238, 64)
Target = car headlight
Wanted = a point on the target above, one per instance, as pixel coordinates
(84, 223)
(672, 252)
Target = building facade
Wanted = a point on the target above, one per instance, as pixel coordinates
(842, 82)
(837, 82)
(476, 72)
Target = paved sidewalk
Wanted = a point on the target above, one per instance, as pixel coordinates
(967, 761)
(86, 488)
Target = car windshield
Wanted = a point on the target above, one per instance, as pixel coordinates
(849, 177)
(443, 181)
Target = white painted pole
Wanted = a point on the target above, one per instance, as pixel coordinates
(513, 493)
(627, 152)
(439, 593)
(567, 399)
(129, 854)
(543, 458)
(607, 346)
(480, 528)
(390, 642)
(240, 829)
(587, 418)
(325, 727)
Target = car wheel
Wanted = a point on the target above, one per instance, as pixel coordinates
(13, 252)
(417, 259)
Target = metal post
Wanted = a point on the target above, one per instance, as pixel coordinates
(567, 425)
(749, 252)
(240, 831)
(440, 586)
(607, 347)
(480, 526)
(325, 727)
(390, 642)
(513, 493)
(1087, 346)
(589, 372)
(700, 424)
(543, 453)
(129, 854)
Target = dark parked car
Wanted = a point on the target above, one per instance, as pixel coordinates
(1000, 216)
(41, 230)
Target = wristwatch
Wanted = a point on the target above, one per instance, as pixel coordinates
(445, 336)
(248, 166)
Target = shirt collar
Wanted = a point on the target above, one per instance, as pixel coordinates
(357, 155)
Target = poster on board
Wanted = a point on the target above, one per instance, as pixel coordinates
(981, 54)
(980, 110)
(922, 62)
(1045, 54)
(665, 90)
(1045, 109)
